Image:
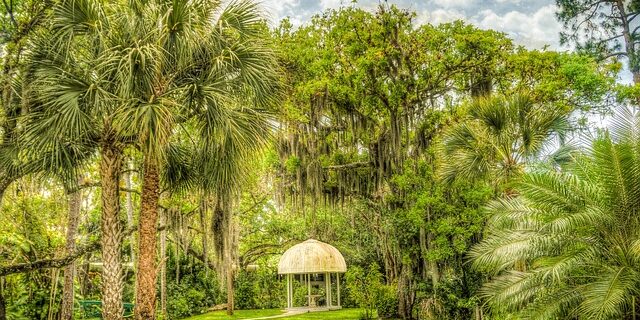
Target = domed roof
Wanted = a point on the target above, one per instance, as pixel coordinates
(312, 256)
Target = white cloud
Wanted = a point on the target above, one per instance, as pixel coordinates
(333, 4)
(532, 30)
(439, 16)
(454, 3)
(276, 10)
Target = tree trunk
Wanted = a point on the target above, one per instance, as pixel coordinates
(66, 309)
(433, 265)
(423, 252)
(129, 205)
(163, 264)
(230, 291)
(3, 308)
(84, 278)
(404, 292)
(228, 247)
(203, 224)
(146, 274)
(112, 285)
(634, 63)
(4, 184)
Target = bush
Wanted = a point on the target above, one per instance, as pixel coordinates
(368, 292)
(184, 300)
(259, 289)
(387, 301)
(361, 286)
(244, 296)
(197, 290)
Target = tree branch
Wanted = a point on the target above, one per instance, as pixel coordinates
(60, 262)
(352, 165)
(611, 38)
(614, 54)
(255, 205)
(49, 263)
(252, 254)
(9, 9)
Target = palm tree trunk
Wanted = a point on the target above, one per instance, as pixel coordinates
(146, 275)
(163, 264)
(203, 223)
(129, 204)
(227, 247)
(66, 310)
(112, 286)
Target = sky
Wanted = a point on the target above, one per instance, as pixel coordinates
(531, 23)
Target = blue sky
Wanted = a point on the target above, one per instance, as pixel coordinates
(529, 22)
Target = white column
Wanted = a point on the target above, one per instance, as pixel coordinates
(338, 282)
(291, 290)
(309, 290)
(327, 291)
(288, 291)
(330, 291)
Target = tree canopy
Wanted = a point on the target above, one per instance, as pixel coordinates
(165, 153)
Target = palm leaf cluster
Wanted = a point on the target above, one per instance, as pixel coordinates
(568, 246)
(156, 74)
(499, 136)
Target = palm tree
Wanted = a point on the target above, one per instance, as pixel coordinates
(211, 76)
(498, 137)
(139, 73)
(76, 100)
(577, 232)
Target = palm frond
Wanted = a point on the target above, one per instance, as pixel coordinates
(242, 16)
(609, 295)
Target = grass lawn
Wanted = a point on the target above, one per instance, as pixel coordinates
(344, 314)
(237, 314)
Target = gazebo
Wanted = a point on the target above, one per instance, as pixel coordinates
(313, 264)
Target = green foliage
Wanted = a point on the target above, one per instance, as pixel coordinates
(300, 293)
(566, 246)
(343, 314)
(370, 97)
(499, 137)
(195, 292)
(259, 289)
(369, 293)
(386, 302)
(32, 229)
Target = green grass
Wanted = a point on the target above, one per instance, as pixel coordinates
(344, 314)
(238, 314)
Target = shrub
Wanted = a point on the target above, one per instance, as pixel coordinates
(244, 296)
(369, 293)
(195, 293)
(259, 289)
(386, 301)
(363, 286)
